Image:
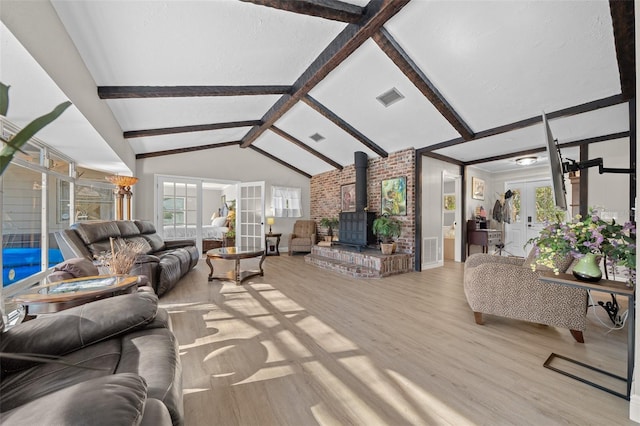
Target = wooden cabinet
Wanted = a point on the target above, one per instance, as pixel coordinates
(478, 233)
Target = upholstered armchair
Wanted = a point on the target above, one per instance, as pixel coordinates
(507, 287)
(303, 236)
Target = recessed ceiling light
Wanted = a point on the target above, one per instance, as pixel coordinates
(317, 137)
(390, 97)
(526, 161)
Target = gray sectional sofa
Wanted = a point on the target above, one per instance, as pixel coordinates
(163, 262)
(114, 361)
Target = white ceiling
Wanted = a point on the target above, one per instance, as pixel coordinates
(495, 63)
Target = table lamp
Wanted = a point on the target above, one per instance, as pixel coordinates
(270, 221)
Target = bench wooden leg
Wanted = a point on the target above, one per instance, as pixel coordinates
(577, 334)
(478, 317)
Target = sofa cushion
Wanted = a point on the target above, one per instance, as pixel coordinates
(19, 388)
(77, 327)
(144, 244)
(145, 226)
(155, 241)
(96, 231)
(109, 400)
(169, 274)
(127, 228)
(153, 354)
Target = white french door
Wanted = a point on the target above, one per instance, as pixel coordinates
(178, 208)
(531, 203)
(250, 215)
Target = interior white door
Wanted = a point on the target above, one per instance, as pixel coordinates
(250, 215)
(530, 206)
(178, 208)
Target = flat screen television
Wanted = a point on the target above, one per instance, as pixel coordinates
(555, 166)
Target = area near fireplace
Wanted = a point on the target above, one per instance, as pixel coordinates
(366, 263)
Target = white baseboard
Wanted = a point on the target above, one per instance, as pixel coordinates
(634, 408)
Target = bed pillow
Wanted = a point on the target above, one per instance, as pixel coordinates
(219, 221)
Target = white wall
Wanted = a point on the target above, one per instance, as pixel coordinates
(610, 190)
(228, 163)
(489, 193)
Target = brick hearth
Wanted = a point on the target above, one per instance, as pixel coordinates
(370, 263)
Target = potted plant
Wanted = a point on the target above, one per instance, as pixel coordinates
(329, 223)
(588, 239)
(386, 228)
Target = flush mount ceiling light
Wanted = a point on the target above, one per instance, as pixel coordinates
(317, 137)
(526, 161)
(390, 97)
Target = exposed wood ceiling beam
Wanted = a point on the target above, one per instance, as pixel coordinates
(306, 147)
(327, 9)
(134, 92)
(327, 113)
(277, 160)
(402, 60)
(623, 18)
(578, 109)
(187, 129)
(183, 150)
(581, 142)
(353, 36)
(441, 157)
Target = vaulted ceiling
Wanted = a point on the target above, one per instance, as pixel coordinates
(272, 75)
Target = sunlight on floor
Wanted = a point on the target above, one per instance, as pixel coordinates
(261, 335)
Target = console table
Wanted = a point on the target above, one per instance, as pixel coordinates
(481, 236)
(607, 286)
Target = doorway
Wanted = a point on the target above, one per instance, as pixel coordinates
(187, 208)
(531, 205)
(451, 242)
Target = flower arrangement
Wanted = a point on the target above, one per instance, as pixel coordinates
(616, 242)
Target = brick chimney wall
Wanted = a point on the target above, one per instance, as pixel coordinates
(325, 192)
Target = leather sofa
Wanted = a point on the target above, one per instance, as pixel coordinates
(163, 262)
(508, 287)
(112, 361)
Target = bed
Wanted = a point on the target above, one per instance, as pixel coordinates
(215, 231)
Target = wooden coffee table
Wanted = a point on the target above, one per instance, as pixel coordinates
(55, 297)
(235, 253)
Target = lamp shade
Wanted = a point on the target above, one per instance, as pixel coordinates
(271, 221)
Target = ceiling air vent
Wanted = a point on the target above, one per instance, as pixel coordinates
(317, 137)
(390, 97)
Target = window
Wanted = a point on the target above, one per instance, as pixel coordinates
(286, 202)
(37, 195)
(173, 209)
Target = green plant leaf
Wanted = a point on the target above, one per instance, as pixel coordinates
(4, 99)
(23, 136)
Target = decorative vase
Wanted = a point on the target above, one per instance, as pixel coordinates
(587, 268)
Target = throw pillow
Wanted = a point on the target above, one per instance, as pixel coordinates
(561, 262)
(78, 267)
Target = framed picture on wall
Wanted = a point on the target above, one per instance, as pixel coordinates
(348, 197)
(393, 199)
(477, 188)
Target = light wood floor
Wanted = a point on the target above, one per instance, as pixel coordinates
(304, 346)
